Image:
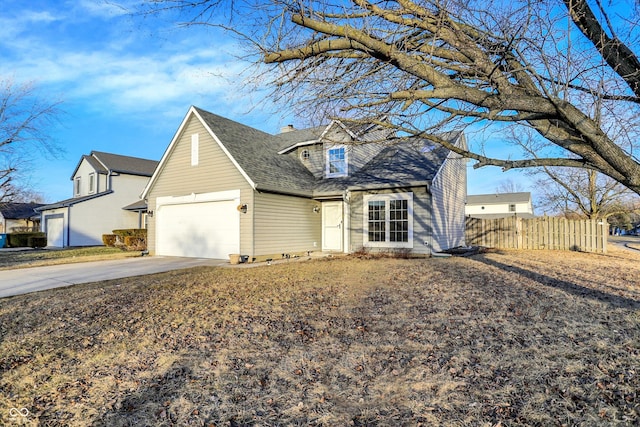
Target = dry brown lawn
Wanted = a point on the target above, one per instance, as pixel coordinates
(41, 257)
(512, 338)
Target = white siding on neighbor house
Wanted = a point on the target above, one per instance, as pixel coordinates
(421, 219)
(83, 172)
(285, 224)
(90, 219)
(498, 208)
(85, 222)
(214, 172)
(449, 190)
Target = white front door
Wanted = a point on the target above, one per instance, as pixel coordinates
(332, 226)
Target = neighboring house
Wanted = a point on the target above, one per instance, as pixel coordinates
(499, 205)
(222, 188)
(19, 217)
(106, 190)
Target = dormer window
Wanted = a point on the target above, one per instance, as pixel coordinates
(304, 155)
(336, 161)
(92, 183)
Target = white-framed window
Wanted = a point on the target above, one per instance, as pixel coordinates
(76, 186)
(304, 155)
(195, 148)
(512, 208)
(337, 161)
(92, 183)
(388, 220)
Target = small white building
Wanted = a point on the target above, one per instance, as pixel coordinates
(106, 197)
(499, 205)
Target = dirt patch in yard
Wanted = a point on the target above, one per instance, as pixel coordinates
(517, 338)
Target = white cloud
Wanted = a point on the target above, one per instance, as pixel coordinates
(123, 78)
(104, 8)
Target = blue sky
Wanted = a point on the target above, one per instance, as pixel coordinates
(126, 82)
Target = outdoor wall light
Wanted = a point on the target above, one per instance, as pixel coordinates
(242, 208)
(316, 209)
(150, 214)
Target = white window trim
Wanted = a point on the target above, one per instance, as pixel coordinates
(386, 198)
(195, 148)
(346, 161)
(77, 186)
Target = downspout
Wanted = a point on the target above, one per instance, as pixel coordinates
(346, 196)
(68, 228)
(430, 222)
(253, 224)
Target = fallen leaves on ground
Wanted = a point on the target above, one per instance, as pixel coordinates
(504, 338)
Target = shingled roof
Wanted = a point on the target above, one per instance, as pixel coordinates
(256, 154)
(260, 157)
(19, 210)
(104, 162)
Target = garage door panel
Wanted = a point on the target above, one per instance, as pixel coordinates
(203, 230)
(55, 231)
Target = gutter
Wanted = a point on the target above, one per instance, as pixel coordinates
(395, 186)
(71, 202)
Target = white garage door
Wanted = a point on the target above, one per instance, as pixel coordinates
(202, 230)
(55, 231)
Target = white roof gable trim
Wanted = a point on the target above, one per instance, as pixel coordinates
(342, 125)
(324, 133)
(299, 144)
(174, 141)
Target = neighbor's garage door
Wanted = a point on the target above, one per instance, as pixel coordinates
(203, 230)
(54, 224)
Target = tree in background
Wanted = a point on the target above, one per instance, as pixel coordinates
(579, 193)
(509, 186)
(24, 118)
(434, 65)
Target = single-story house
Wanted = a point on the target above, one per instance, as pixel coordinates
(19, 217)
(499, 205)
(225, 188)
(106, 190)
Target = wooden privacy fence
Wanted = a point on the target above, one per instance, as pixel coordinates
(538, 233)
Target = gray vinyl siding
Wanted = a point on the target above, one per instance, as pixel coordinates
(421, 219)
(315, 162)
(449, 195)
(358, 153)
(285, 224)
(214, 172)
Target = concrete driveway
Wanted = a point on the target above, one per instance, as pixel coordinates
(25, 280)
(622, 242)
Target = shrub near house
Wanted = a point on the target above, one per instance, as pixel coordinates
(132, 239)
(26, 240)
